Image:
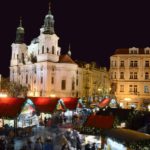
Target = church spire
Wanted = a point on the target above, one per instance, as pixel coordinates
(69, 50)
(20, 33)
(49, 22)
(49, 8)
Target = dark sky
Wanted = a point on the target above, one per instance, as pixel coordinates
(94, 28)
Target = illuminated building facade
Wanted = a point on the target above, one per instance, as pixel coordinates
(96, 81)
(41, 67)
(130, 76)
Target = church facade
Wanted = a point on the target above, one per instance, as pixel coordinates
(41, 67)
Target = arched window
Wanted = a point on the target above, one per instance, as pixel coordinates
(53, 49)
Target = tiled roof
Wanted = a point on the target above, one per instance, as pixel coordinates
(126, 51)
(66, 59)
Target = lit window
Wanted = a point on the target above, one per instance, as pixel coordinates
(146, 89)
(121, 88)
(131, 75)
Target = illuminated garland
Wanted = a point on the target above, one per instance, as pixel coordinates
(88, 130)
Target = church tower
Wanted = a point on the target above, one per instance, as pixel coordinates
(48, 41)
(19, 50)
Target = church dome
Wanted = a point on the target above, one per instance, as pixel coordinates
(49, 23)
(20, 34)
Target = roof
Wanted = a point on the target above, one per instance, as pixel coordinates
(100, 121)
(11, 107)
(126, 135)
(45, 104)
(70, 102)
(126, 51)
(66, 59)
(105, 102)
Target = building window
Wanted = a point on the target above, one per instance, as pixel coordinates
(146, 75)
(135, 89)
(47, 49)
(111, 75)
(147, 50)
(41, 80)
(121, 88)
(53, 49)
(76, 82)
(135, 75)
(130, 88)
(115, 64)
(146, 63)
(115, 75)
(133, 50)
(73, 85)
(42, 49)
(131, 75)
(121, 63)
(26, 79)
(52, 80)
(146, 89)
(133, 63)
(111, 63)
(63, 84)
(121, 75)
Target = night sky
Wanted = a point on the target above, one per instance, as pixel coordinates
(94, 28)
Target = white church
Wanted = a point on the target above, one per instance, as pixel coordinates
(41, 67)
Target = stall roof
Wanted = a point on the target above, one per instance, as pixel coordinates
(105, 102)
(45, 104)
(126, 135)
(70, 102)
(100, 121)
(10, 107)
